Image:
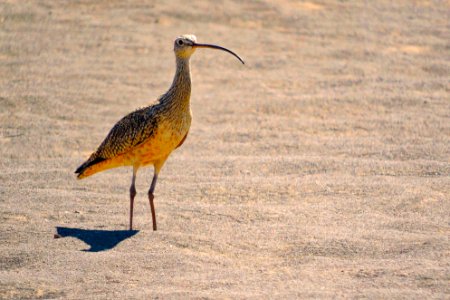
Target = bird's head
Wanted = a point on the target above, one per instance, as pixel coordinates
(185, 46)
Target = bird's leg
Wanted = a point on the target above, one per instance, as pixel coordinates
(151, 197)
(157, 165)
(132, 195)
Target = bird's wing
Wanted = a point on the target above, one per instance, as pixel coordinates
(129, 132)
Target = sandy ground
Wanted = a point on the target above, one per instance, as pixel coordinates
(320, 169)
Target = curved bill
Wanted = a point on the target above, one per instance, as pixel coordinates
(219, 48)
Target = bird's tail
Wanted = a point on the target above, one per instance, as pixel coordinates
(88, 167)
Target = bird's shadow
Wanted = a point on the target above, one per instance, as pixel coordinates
(98, 240)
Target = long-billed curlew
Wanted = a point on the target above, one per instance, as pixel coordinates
(148, 135)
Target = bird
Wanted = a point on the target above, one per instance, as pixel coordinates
(147, 136)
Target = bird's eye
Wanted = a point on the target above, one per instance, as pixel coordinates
(180, 42)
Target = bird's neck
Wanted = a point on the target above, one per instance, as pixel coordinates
(179, 93)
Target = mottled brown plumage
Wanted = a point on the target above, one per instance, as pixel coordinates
(148, 135)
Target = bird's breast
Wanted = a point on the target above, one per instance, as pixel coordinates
(168, 135)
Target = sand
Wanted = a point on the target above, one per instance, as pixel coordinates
(320, 169)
